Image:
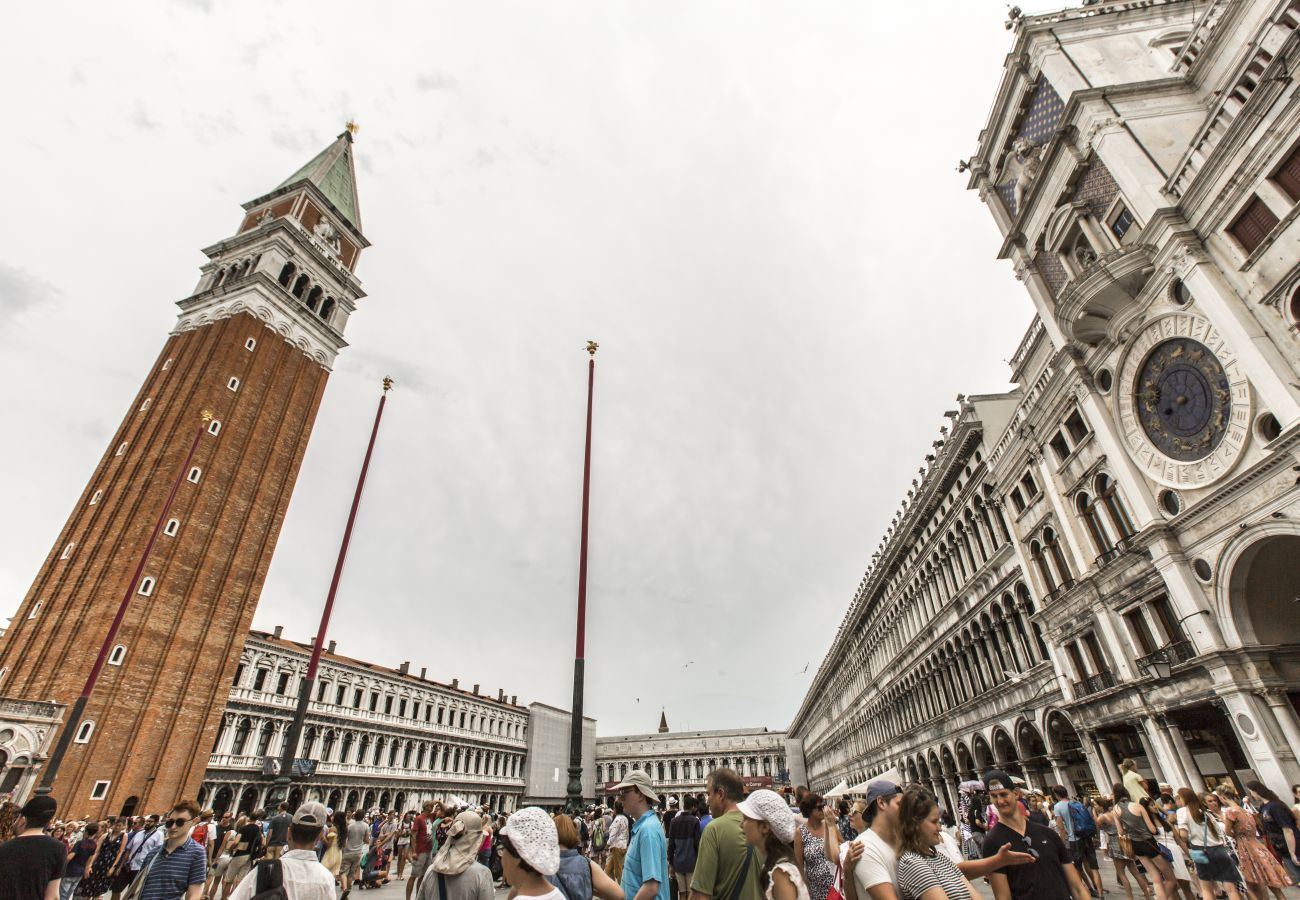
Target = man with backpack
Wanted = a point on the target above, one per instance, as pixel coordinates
(1079, 831)
(296, 874)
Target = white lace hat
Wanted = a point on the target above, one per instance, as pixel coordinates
(768, 806)
(532, 834)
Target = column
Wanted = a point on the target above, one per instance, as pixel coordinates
(1246, 717)
(1288, 722)
(1161, 754)
(1108, 760)
(1059, 773)
(1184, 754)
(1096, 763)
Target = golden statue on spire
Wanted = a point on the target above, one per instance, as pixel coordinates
(592, 347)
(352, 127)
(388, 384)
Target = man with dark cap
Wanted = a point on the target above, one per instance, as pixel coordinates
(871, 859)
(31, 865)
(1052, 875)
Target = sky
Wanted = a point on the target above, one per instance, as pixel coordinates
(752, 206)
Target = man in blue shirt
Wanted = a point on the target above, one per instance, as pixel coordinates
(179, 868)
(645, 868)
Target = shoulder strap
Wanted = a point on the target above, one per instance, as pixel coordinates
(744, 871)
(269, 875)
(442, 886)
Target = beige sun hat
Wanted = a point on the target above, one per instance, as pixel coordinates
(460, 850)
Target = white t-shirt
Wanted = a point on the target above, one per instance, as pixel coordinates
(878, 865)
(949, 847)
(1201, 834)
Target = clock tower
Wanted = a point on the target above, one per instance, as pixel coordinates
(254, 344)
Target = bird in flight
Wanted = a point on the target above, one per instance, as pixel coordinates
(805, 668)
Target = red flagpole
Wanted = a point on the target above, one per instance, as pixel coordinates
(579, 657)
(308, 682)
(79, 707)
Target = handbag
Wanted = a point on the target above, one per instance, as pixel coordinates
(1198, 854)
(137, 883)
(1165, 852)
(836, 890)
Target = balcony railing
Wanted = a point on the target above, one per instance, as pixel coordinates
(1162, 661)
(1095, 683)
(253, 763)
(1113, 553)
(1059, 591)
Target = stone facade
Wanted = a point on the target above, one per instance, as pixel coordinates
(382, 738)
(252, 345)
(679, 762)
(1100, 563)
(549, 739)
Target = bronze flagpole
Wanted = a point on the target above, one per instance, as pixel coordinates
(574, 802)
(280, 792)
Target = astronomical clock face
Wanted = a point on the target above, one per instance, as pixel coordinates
(1184, 404)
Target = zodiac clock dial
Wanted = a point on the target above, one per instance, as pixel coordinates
(1183, 399)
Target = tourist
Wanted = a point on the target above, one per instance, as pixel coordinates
(179, 867)
(98, 879)
(1052, 875)
(1136, 824)
(924, 873)
(421, 844)
(1133, 781)
(296, 868)
(404, 843)
(1037, 814)
(485, 848)
(669, 815)
(226, 854)
(816, 845)
(725, 867)
(1260, 869)
(578, 877)
(844, 821)
(769, 828)
(1204, 835)
(971, 824)
(215, 847)
(455, 873)
(619, 832)
(277, 832)
(1279, 827)
(1163, 812)
(1107, 817)
(871, 861)
(332, 857)
(684, 847)
(248, 847)
(79, 860)
(355, 842)
(530, 851)
(147, 840)
(32, 862)
(645, 867)
(1078, 829)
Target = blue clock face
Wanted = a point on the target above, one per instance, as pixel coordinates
(1183, 399)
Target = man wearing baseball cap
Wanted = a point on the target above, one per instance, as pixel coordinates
(302, 875)
(645, 868)
(32, 863)
(1052, 875)
(871, 859)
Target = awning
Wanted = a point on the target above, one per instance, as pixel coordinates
(888, 775)
(838, 791)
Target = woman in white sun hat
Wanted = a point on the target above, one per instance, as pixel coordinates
(770, 827)
(530, 851)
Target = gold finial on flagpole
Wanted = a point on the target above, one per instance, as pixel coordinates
(388, 384)
(352, 127)
(207, 416)
(592, 347)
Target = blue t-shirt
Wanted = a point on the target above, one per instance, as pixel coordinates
(1062, 811)
(647, 857)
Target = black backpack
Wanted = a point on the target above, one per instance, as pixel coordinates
(270, 881)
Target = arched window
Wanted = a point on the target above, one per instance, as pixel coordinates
(1115, 511)
(264, 739)
(348, 739)
(309, 742)
(313, 297)
(327, 308)
(119, 653)
(1038, 555)
(84, 731)
(300, 286)
(1053, 546)
(172, 526)
(94, 498)
(146, 587)
(1096, 530)
(214, 427)
(195, 474)
(286, 274)
(327, 747)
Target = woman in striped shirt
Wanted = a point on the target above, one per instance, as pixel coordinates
(923, 873)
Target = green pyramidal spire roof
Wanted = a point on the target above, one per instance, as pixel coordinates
(333, 172)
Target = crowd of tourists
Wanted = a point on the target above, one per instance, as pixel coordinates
(896, 843)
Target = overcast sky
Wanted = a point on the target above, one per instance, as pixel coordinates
(752, 206)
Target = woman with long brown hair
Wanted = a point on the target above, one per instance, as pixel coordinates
(1260, 869)
(1107, 817)
(1204, 835)
(1134, 824)
(923, 872)
(769, 827)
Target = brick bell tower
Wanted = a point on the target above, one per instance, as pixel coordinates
(254, 344)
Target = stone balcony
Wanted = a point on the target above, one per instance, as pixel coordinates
(1102, 290)
(253, 764)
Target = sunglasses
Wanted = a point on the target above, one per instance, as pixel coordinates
(176, 823)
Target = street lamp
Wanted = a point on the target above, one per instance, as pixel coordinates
(1160, 664)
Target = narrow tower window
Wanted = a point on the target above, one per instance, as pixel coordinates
(172, 526)
(36, 608)
(167, 365)
(94, 498)
(121, 448)
(146, 587)
(85, 731)
(233, 384)
(119, 653)
(100, 790)
(214, 427)
(250, 344)
(195, 474)
(67, 550)
(145, 405)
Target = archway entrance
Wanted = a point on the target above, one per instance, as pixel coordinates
(1263, 589)
(1070, 766)
(222, 800)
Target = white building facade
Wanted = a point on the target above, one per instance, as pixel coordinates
(1102, 563)
(679, 762)
(382, 738)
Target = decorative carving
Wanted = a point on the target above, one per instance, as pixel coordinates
(266, 216)
(327, 234)
(1020, 167)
